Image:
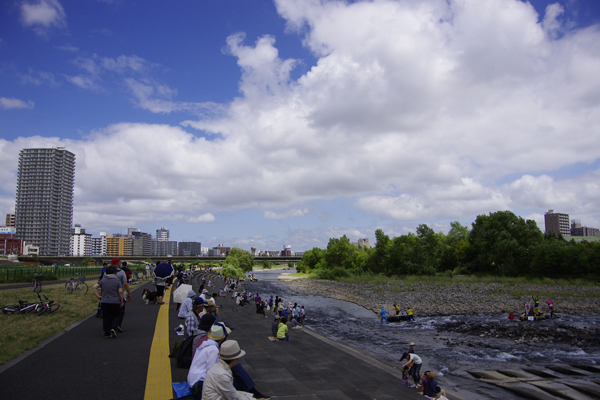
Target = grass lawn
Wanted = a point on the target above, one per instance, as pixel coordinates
(19, 333)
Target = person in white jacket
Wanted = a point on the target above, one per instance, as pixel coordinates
(218, 383)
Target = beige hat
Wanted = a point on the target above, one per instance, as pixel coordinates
(412, 344)
(218, 331)
(230, 350)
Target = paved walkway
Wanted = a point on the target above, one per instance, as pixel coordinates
(80, 363)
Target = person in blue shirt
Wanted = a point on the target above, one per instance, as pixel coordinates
(383, 316)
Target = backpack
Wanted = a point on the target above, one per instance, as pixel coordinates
(127, 272)
(186, 352)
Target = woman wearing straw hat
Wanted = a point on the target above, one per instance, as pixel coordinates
(218, 383)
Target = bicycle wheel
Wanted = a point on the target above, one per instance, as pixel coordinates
(9, 310)
(38, 287)
(42, 309)
(82, 288)
(69, 287)
(53, 307)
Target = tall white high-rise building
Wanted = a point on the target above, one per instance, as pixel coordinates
(162, 234)
(81, 242)
(44, 201)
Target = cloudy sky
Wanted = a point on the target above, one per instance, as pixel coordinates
(264, 123)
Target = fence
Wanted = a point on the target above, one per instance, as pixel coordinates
(24, 274)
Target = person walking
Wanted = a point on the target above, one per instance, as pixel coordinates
(111, 300)
(123, 278)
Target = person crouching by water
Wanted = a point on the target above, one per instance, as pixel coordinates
(414, 362)
(111, 300)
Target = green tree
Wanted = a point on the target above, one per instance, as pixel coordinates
(311, 259)
(455, 247)
(431, 243)
(241, 259)
(380, 261)
(231, 271)
(502, 243)
(340, 253)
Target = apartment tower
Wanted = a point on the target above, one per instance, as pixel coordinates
(557, 223)
(44, 203)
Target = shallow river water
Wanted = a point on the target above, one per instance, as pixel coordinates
(450, 355)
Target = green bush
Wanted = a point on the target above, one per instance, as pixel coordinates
(333, 273)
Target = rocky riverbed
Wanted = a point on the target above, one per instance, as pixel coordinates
(472, 335)
(429, 300)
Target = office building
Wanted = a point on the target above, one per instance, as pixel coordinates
(99, 245)
(142, 243)
(44, 200)
(189, 249)
(223, 251)
(118, 245)
(81, 242)
(11, 220)
(557, 223)
(578, 230)
(162, 234)
(9, 244)
(164, 248)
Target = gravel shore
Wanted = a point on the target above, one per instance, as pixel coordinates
(435, 299)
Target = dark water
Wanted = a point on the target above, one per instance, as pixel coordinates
(448, 354)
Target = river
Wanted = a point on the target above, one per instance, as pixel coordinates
(450, 355)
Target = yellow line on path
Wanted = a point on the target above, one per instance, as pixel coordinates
(158, 380)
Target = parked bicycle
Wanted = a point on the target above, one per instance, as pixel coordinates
(23, 308)
(136, 278)
(80, 287)
(49, 305)
(39, 307)
(36, 285)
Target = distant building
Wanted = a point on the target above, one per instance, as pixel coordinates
(254, 251)
(270, 253)
(11, 220)
(363, 243)
(118, 245)
(81, 242)
(9, 244)
(44, 199)
(164, 248)
(578, 230)
(99, 245)
(287, 251)
(141, 244)
(8, 230)
(30, 250)
(162, 234)
(189, 249)
(224, 251)
(214, 252)
(557, 223)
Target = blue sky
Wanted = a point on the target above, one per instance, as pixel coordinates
(265, 123)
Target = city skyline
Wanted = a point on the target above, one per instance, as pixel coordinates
(261, 124)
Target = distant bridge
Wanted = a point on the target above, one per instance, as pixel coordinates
(63, 260)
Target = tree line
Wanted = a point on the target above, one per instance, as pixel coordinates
(499, 244)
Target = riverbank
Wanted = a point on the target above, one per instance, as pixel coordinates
(435, 299)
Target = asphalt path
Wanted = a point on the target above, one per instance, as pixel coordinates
(80, 364)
